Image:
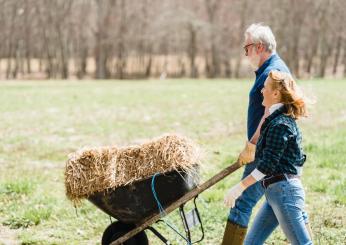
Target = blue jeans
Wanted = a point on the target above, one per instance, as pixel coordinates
(284, 206)
(242, 210)
(240, 214)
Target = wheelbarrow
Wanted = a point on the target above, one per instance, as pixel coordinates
(135, 206)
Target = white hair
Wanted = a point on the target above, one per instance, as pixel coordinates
(260, 33)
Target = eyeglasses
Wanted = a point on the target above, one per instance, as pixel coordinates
(247, 46)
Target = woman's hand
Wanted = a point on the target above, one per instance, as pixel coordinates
(233, 194)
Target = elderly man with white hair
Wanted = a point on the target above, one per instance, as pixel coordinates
(260, 49)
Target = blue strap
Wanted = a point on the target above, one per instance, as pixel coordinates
(162, 210)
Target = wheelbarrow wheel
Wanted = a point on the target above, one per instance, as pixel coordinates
(118, 229)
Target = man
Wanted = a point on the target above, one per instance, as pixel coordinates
(260, 49)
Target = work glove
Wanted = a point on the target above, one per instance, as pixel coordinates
(248, 154)
(233, 194)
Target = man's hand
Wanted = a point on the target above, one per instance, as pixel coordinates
(248, 154)
(233, 194)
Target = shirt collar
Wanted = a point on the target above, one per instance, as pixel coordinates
(275, 107)
(266, 63)
(273, 115)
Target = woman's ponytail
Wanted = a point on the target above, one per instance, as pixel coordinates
(291, 95)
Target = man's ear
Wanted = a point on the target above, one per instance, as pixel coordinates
(259, 48)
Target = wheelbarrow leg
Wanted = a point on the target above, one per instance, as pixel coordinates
(188, 226)
(159, 235)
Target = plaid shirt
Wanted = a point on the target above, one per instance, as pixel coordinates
(279, 148)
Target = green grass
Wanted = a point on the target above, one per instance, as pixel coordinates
(41, 122)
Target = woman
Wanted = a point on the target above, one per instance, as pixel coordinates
(279, 158)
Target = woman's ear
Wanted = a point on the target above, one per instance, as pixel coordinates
(277, 94)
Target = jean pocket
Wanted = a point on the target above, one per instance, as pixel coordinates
(296, 194)
(278, 187)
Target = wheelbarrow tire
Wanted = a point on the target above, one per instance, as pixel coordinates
(118, 229)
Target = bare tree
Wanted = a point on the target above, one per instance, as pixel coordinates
(140, 39)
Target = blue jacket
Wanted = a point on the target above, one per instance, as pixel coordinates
(255, 109)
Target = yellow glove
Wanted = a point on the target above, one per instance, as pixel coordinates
(248, 154)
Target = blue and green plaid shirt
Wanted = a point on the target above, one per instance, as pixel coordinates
(279, 148)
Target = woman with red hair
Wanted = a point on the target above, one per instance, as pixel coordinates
(280, 159)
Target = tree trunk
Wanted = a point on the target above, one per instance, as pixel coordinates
(243, 16)
(148, 67)
(27, 38)
(325, 46)
(11, 49)
(214, 69)
(337, 54)
(228, 69)
(121, 63)
(101, 36)
(325, 53)
(83, 63)
(192, 50)
(344, 59)
(62, 52)
(312, 53)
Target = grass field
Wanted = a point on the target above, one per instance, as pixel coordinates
(41, 122)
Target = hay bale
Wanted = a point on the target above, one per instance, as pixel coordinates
(88, 171)
(94, 170)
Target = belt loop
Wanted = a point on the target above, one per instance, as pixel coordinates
(286, 177)
(263, 184)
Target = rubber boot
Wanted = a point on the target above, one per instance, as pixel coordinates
(234, 234)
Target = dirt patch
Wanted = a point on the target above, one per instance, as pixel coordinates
(7, 236)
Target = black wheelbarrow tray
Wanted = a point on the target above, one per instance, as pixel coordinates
(136, 208)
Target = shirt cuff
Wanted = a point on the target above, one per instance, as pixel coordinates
(258, 175)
